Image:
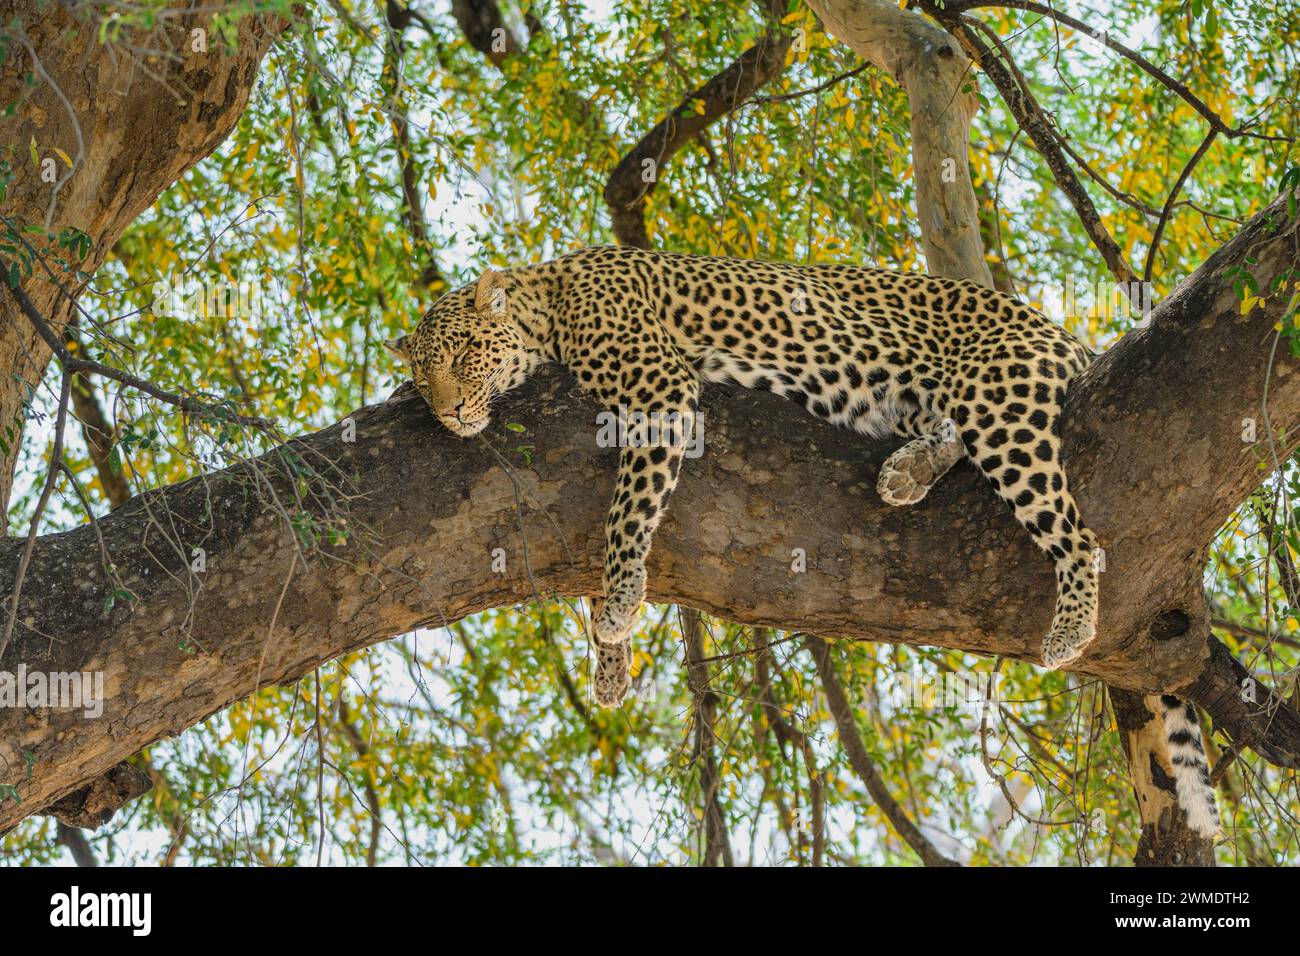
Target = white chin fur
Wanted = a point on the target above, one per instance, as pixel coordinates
(463, 430)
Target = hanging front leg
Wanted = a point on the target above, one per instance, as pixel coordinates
(646, 477)
(655, 393)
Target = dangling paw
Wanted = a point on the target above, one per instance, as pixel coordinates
(906, 476)
(1065, 642)
(613, 672)
(612, 625)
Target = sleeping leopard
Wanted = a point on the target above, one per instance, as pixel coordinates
(959, 370)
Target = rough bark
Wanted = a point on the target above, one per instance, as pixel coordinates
(141, 120)
(93, 804)
(930, 65)
(1153, 447)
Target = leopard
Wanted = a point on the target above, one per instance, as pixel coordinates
(961, 371)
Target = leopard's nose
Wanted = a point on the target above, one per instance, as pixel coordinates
(457, 411)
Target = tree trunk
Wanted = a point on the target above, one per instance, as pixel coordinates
(928, 62)
(930, 65)
(1166, 839)
(130, 124)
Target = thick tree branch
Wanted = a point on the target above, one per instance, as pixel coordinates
(77, 844)
(1029, 115)
(704, 717)
(485, 29)
(1166, 839)
(99, 435)
(772, 716)
(398, 19)
(97, 431)
(127, 146)
(93, 804)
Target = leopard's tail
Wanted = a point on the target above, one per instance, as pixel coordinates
(1191, 769)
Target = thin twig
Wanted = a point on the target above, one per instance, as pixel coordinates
(73, 364)
(1169, 203)
(1215, 120)
(56, 456)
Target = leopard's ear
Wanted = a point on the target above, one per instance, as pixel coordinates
(398, 347)
(490, 294)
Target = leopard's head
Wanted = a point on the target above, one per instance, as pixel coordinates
(463, 353)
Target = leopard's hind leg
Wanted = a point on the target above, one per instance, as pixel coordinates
(909, 473)
(1017, 446)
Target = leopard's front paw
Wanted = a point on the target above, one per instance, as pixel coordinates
(613, 673)
(613, 624)
(1066, 641)
(905, 477)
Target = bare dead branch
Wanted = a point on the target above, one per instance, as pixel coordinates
(641, 167)
(860, 760)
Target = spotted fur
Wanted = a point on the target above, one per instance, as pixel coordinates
(960, 370)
